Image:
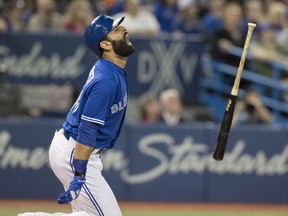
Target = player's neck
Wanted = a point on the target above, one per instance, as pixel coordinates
(119, 61)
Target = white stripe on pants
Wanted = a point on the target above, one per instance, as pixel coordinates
(96, 196)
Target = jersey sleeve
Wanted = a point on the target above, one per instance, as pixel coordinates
(99, 102)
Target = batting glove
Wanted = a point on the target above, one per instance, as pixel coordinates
(73, 191)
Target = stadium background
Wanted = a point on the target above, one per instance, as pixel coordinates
(47, 70)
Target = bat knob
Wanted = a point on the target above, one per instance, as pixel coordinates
(218, 156)
(252, 25)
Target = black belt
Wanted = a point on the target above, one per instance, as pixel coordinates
(67, 136)
(99, 151)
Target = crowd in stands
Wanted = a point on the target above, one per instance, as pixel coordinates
(166, 108)
(222, 23)
(251, 110)
(148, 16)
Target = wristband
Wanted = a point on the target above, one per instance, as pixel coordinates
(80, 167)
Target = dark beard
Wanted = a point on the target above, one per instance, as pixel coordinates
(122, 48)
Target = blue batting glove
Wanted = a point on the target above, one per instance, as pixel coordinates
(73, 191)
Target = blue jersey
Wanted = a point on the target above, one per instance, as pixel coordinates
(103, 100)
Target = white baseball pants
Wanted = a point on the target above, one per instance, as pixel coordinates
(96, 197)
(55, 214)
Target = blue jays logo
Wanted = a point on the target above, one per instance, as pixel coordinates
(120, 105)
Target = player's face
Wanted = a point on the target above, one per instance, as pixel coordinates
(120, 41)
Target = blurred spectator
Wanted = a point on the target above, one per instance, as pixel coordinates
(224, 40)
(3, 24)
(171, 107)
(282, 35)
(228, 36)
(78, 16)
(165, 11)
(30, 7)
(9, 95)
(187, 20)
(46, 18)
(109, 7)
(284, 93)
(149, 108)
(138, 20)
(213, 19)
(254, 12)
(203, 6)
(265, 50)
(276, 12)
(15, 17)
(251, 110)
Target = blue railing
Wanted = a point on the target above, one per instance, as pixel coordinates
(214, 86)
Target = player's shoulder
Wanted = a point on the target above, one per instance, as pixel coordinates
(102, 73)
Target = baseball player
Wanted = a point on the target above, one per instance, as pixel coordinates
(93, 124)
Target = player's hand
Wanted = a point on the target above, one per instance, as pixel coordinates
(73, 190)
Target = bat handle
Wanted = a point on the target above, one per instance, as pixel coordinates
(251, 25)
(236, 84)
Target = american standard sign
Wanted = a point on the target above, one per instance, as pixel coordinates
(182, 158)
(150, 157)
(189, 157)
(34, 64)
(156, 64)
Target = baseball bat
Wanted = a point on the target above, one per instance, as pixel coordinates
(223, 135)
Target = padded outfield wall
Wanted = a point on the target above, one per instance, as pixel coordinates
(156, 163)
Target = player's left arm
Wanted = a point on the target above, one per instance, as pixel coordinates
(95, 111)
(80, 160)
(82, 151)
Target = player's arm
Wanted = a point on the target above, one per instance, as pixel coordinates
(82, 152)
(94, 114)
(86, 141)
(264, 113)
(80, 159)
(85, 144)
(239, 108)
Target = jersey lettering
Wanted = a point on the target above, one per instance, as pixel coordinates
(120, 105)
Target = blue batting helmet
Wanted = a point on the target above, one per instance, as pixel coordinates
(97, 30)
